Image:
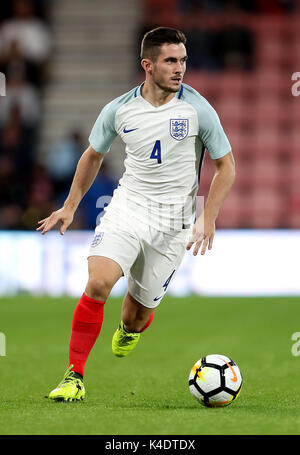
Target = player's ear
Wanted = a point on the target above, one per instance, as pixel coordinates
(146, 65)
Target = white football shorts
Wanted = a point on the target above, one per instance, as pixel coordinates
(149, 258)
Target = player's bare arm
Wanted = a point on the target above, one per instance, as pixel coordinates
(87, 169)
(204, 227)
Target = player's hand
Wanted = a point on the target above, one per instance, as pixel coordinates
(63, 215)
(203, 234)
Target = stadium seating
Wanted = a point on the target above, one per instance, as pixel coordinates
(257, 108)
(261, 117)
(92, 60)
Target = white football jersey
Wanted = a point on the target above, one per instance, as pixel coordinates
(165, 148)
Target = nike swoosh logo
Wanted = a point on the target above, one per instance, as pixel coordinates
(157, 298)
(235, 378)
(129, 131)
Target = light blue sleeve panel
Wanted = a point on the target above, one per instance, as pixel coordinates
(103, 132)
(211, 131)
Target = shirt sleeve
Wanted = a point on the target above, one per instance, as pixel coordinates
(103, 132)
(212, 134)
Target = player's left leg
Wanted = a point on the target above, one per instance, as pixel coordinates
(135, 320)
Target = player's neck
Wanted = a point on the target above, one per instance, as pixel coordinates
(155, 95)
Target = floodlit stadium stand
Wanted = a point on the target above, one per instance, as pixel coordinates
(240, 58)
(257, 109)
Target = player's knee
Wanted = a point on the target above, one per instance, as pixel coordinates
(98, 288)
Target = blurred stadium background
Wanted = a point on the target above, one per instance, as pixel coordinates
(64, 60)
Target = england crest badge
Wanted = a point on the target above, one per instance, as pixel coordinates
(179, 128)
(97, 239)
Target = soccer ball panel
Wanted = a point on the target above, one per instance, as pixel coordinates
(196, 394)
(217, 359)
(233, 377)
(208, 379)
(220, 399)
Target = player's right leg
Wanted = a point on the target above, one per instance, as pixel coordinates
(86, 326)
(148, 280)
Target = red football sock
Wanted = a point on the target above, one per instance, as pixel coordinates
(86, 326)
(148, 322)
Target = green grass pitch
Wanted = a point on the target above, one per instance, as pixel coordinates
(147, 392)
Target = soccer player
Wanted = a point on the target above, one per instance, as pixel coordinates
(150, 222)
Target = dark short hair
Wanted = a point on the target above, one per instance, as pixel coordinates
(154, 39)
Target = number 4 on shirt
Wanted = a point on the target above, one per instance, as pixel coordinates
(156, 152)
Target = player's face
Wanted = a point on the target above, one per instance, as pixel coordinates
(169, 68)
